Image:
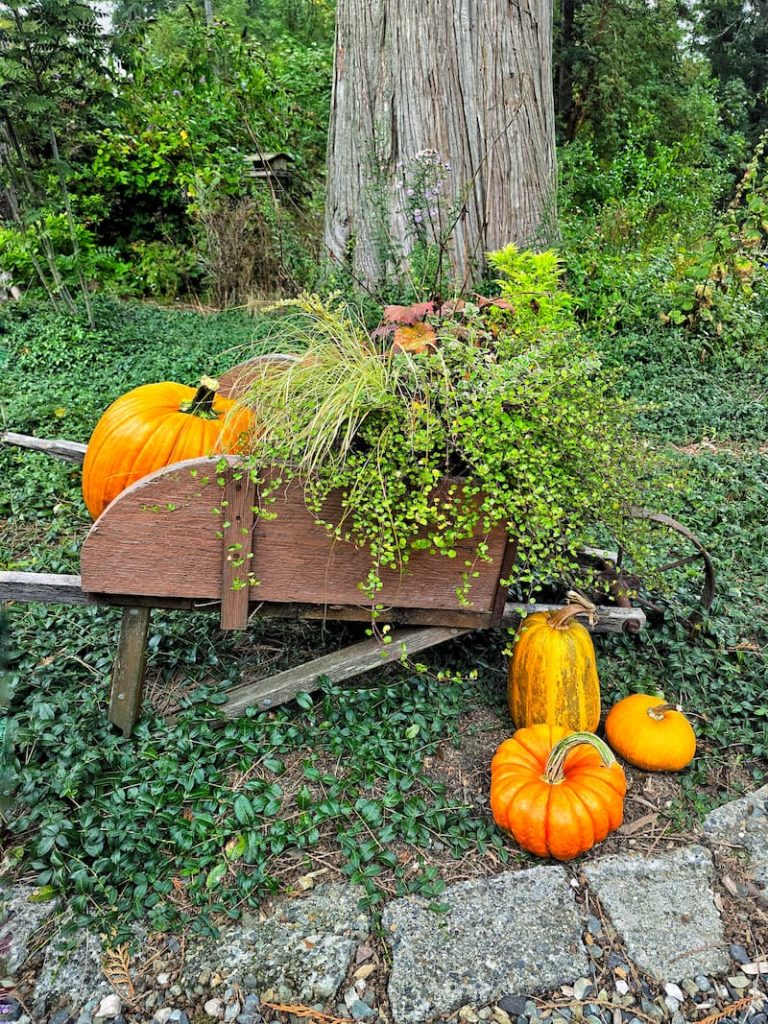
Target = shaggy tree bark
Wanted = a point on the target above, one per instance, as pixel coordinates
(470, 80)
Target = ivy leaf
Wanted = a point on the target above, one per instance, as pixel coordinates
(243, 809)
(215, 876)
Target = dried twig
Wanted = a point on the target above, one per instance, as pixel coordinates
(307, 1011)
(740, 1004)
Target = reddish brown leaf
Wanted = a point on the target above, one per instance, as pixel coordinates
(500, 303)
(408, 315)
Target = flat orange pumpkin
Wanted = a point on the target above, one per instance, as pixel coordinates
(651, 734)
(557, 792)
(153, 426)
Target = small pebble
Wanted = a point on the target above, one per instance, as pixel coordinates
(60, 1017)
(484, 1013)
(214, 1008)
(178, 1017)
(361, 1010)
(594, 927)
(675, 992)
(109, 1007)
(739, 981)
(739, 954)
(163, 1015)
(250, 983)
(163, 979)
(678, 1018)
(622, 987)
(231, 1011)
(512, 1005)
(580, 988)
(592, 1019)
(173, 944)
(204, 978)
(690, 986)
(466, 1013)
(501, 1016)
(703, 983)
(673, 1005)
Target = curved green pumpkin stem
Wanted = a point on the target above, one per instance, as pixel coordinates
(657, 711)
(202, 403)
(553, 772)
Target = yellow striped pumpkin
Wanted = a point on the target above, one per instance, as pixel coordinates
(553, 673)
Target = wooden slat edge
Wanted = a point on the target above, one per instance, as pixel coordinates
(59, 588)
(69, 451)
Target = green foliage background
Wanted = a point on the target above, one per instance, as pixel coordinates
(662, 230)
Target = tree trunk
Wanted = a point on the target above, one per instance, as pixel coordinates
(465, 85)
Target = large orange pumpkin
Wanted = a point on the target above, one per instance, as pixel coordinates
(557, 792)
(153, 426)
(553, 672)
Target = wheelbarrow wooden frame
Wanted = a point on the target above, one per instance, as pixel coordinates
(157, 546)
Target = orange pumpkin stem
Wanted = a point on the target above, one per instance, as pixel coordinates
(202, 403)
(553, 772)
(658, 711)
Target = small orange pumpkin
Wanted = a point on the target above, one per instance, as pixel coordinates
(557, 792)
(553, 672)
(650, 734)
(153, 426)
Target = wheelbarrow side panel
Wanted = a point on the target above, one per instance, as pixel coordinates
(172, 534)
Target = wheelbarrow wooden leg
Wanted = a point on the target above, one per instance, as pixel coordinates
(128, 670)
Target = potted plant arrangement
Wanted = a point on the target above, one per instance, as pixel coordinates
(447, 421)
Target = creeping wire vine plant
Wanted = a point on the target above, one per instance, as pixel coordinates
(495, 413)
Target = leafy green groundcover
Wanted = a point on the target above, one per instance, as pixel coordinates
(194, 813)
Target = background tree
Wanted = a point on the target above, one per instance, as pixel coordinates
(627, 65)
(54, 87)
(733, 34)
(466, 84)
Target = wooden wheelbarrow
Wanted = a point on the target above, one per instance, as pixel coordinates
(187, 537)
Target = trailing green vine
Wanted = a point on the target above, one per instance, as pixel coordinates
(449, 420)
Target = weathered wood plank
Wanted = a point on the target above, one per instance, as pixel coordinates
(236, 555)
(130, 662)
(610, 619)
(60, 588)
(351, 661)
(69, 451)
(48, 588)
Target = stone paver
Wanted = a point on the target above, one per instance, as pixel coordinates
(519, 932)
(21, 919)
(664, 911)
(301, 953)
(744, 823)
(71, 973)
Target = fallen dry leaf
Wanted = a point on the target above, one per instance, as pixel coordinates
(638, 824)
(757, 967)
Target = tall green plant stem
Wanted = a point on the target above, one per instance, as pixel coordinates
(50, 254)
